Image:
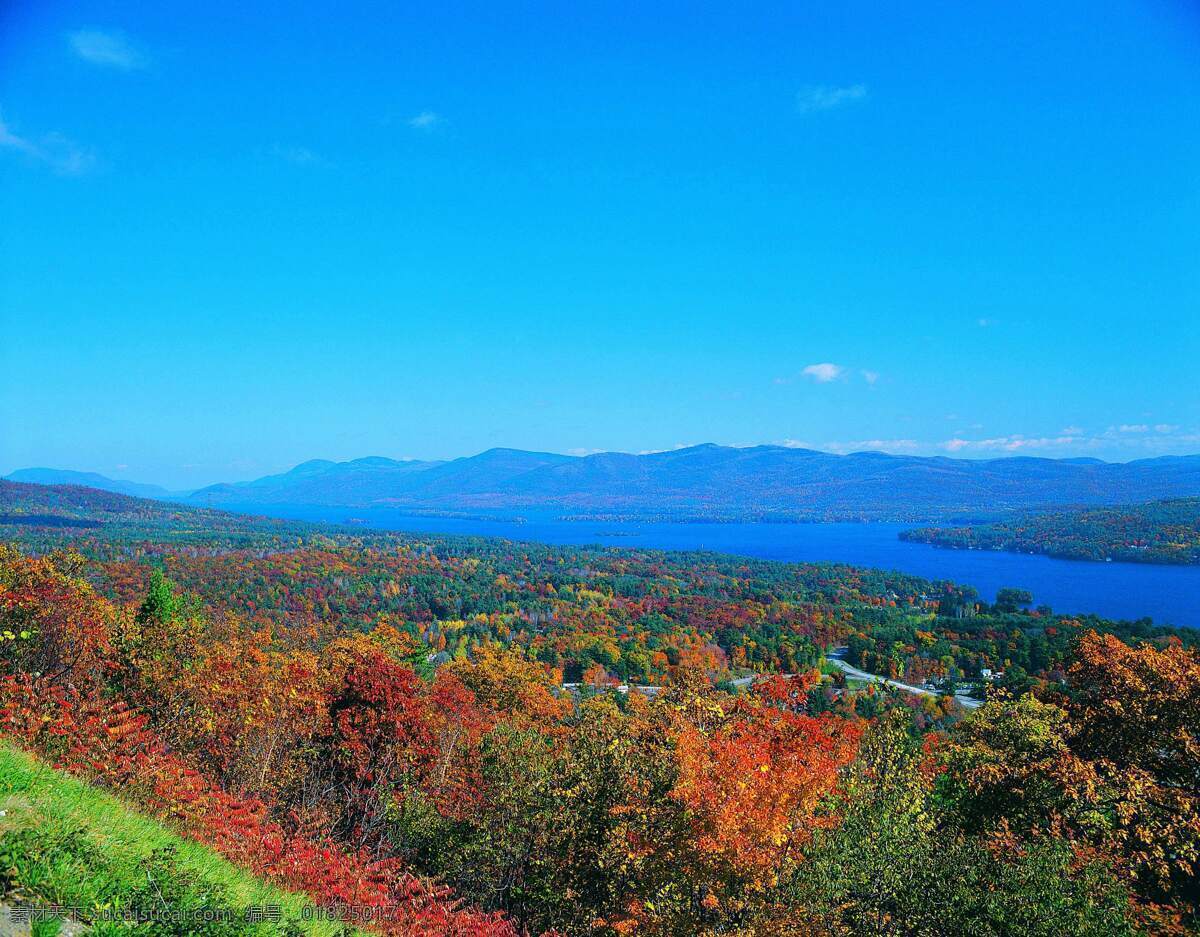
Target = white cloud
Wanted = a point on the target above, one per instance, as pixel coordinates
(1015, 443)
(1132, 437)
(824, 372)
(674, 448)
(815, 98)
(108, 48)
(582, 451)
(426, 120)
(53, 150)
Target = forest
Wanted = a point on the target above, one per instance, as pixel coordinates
(435, 735)
(1166, 531)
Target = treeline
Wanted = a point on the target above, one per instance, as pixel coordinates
(1158, 532)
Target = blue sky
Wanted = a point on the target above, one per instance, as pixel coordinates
(238, 236)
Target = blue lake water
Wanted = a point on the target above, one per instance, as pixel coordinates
(1167, 594)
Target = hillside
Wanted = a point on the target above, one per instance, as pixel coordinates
(30, 502)
(47, 515)
(716, 483)
(1165, 531)
(67, 844)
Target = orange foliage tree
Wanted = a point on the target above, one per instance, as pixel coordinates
(752, 774)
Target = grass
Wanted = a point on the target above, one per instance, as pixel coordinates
(66, 844)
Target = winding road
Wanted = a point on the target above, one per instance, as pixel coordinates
(835, 657)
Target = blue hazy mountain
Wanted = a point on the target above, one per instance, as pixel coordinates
(48, 476)
(708, 481)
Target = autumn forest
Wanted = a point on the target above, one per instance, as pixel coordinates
(430, 735)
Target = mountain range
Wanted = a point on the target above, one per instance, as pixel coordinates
(48, 476)
(698, 482)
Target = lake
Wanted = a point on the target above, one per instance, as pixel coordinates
(1168, 594)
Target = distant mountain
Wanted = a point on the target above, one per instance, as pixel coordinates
(715, 482)
(48, 476)
(360, 481)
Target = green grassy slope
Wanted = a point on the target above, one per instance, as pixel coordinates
(65, 844)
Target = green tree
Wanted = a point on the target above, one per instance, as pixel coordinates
(895, 866)
(160, 606)
(1011, 600)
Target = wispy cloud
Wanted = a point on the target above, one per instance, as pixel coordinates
(11, 141)
(53, 150)
(426, 120)
(1015, 443)
(300, 155)
(583, 451)
(873, 445)
(1132, 437)
(674, 448)
(108, 48)
(813, 99)
(824, 372)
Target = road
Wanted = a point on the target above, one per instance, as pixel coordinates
(835, 657)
